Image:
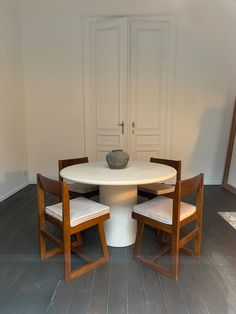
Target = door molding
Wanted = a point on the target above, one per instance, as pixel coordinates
(89, 130)
(105, 84)
(159, 136)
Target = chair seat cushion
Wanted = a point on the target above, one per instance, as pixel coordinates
(81, 210)
(157, 188)
(160, 209)
(81, 187)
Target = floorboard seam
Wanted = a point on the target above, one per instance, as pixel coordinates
(51, 301)
(126, 281)
(163, 293)
(91, 290)
(145, 293)
(180, 291)
(109, 285)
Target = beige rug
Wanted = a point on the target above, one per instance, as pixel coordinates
(230, 217)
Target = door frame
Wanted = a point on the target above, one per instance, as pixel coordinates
(86, 21)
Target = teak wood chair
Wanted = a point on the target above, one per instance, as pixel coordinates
(72, 217)
(77, 189)
(171, 215)
(159, 188)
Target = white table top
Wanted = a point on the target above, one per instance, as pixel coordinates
(136, 172)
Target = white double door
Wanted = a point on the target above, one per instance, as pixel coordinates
(127, 86)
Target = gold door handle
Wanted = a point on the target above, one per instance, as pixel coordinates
(133, 128)
(122, 125)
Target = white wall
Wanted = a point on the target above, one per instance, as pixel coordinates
(203, 95)
(13, 148)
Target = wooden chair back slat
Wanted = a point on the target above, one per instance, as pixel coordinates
(190, 185)
(176, 164)
(63, 163)
(49, 185)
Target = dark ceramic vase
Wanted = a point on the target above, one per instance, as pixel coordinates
(117, 159)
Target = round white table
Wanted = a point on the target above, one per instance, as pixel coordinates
(118, 190)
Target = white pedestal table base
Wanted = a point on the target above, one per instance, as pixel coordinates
(120, 229)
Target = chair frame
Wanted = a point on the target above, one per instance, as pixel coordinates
(182, 188)
(63, 163)
(65, 246)
(176, 164)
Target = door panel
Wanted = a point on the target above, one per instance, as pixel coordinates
(148, 87)
(144, 155)
(108, 86)
(106, 75)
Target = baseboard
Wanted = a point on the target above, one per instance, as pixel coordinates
(217, 182)
(5, 196)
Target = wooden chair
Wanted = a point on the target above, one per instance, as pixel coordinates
(77, 189)
(154, 189)
(71, 216)
(171, 215)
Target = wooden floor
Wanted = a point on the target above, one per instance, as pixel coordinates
(28, 285)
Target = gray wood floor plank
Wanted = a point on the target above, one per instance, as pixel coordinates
(41, 290)
(13, 285)
(117, 300)
(98, 300)
(29, 297)
(155, 299)
(193, 298)
(40, 301)
(61, 299)
(135, 285)
(81, 294)
(174, 299)
(219, 278)
(208, 290)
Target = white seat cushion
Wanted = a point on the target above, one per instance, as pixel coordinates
(157, 188)
(81, 187)
(81, 210)
(160, 209)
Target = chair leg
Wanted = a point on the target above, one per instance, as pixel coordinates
(42, 239)
(138, 240)
(197, 244)
(42, 245)
(67, 255)
(174, 259)
(102, 237)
